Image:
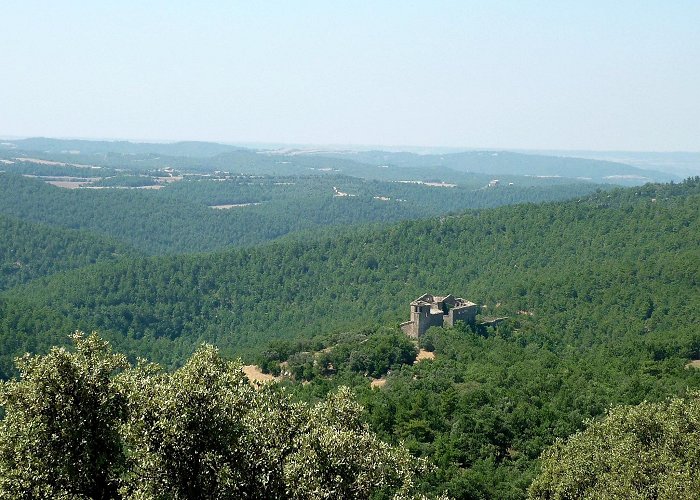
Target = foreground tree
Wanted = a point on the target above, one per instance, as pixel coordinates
(59, 437)
(338, 457)
(85, 424)
(651, 450)
(185, 428)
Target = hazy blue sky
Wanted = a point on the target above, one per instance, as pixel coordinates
(509, 74)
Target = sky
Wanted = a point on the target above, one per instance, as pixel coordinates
(525, 74)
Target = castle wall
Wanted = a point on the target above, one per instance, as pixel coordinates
(464, 313)
(427, 320)
(409, 328)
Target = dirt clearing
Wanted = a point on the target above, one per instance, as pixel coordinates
(378, 382)
(255, 375)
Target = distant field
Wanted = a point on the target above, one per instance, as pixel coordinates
(68, 184)
(235, 205)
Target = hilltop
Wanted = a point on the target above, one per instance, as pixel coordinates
(30, 250)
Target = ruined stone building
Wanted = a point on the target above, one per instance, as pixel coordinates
(429, 310)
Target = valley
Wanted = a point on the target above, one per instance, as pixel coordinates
(587, 296)
(597, 298)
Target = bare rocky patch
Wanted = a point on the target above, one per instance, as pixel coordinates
(256, 376)
(423, 355)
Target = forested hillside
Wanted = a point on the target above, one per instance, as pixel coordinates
(602, 296)
(572, 264)
(30, 250)
(183, 216)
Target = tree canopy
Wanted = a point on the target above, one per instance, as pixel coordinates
(651, 450)
(86, 424)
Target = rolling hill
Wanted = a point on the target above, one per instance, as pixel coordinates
(567, 260)
(600, 293)
(30, 250)
(200, 214)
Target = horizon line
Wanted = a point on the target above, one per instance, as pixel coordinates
(345, 146)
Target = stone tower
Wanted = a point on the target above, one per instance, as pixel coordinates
(429, 310)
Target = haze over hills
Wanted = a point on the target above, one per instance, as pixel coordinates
(82, 146)
(683, 164)
(510, 163)
(394, 165)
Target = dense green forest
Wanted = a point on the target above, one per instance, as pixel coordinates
(53, 170)
(601, 295)
(88, 424)
(31, 250)
(650, 450)
(318, 255)
(179, 218)
(542, 258)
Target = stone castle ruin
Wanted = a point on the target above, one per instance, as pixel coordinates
(431, 310)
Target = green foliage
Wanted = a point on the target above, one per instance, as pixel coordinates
(338, 457)
(88, 425)
(179, 218)
(371, 352)
(374, 355)
(59, 437)
(602, 296)
(186, 429)
(30, 250)
(651, 450)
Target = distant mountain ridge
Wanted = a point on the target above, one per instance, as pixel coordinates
(183, 148)
(680, 163)
(350, 162)
(510, 163)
